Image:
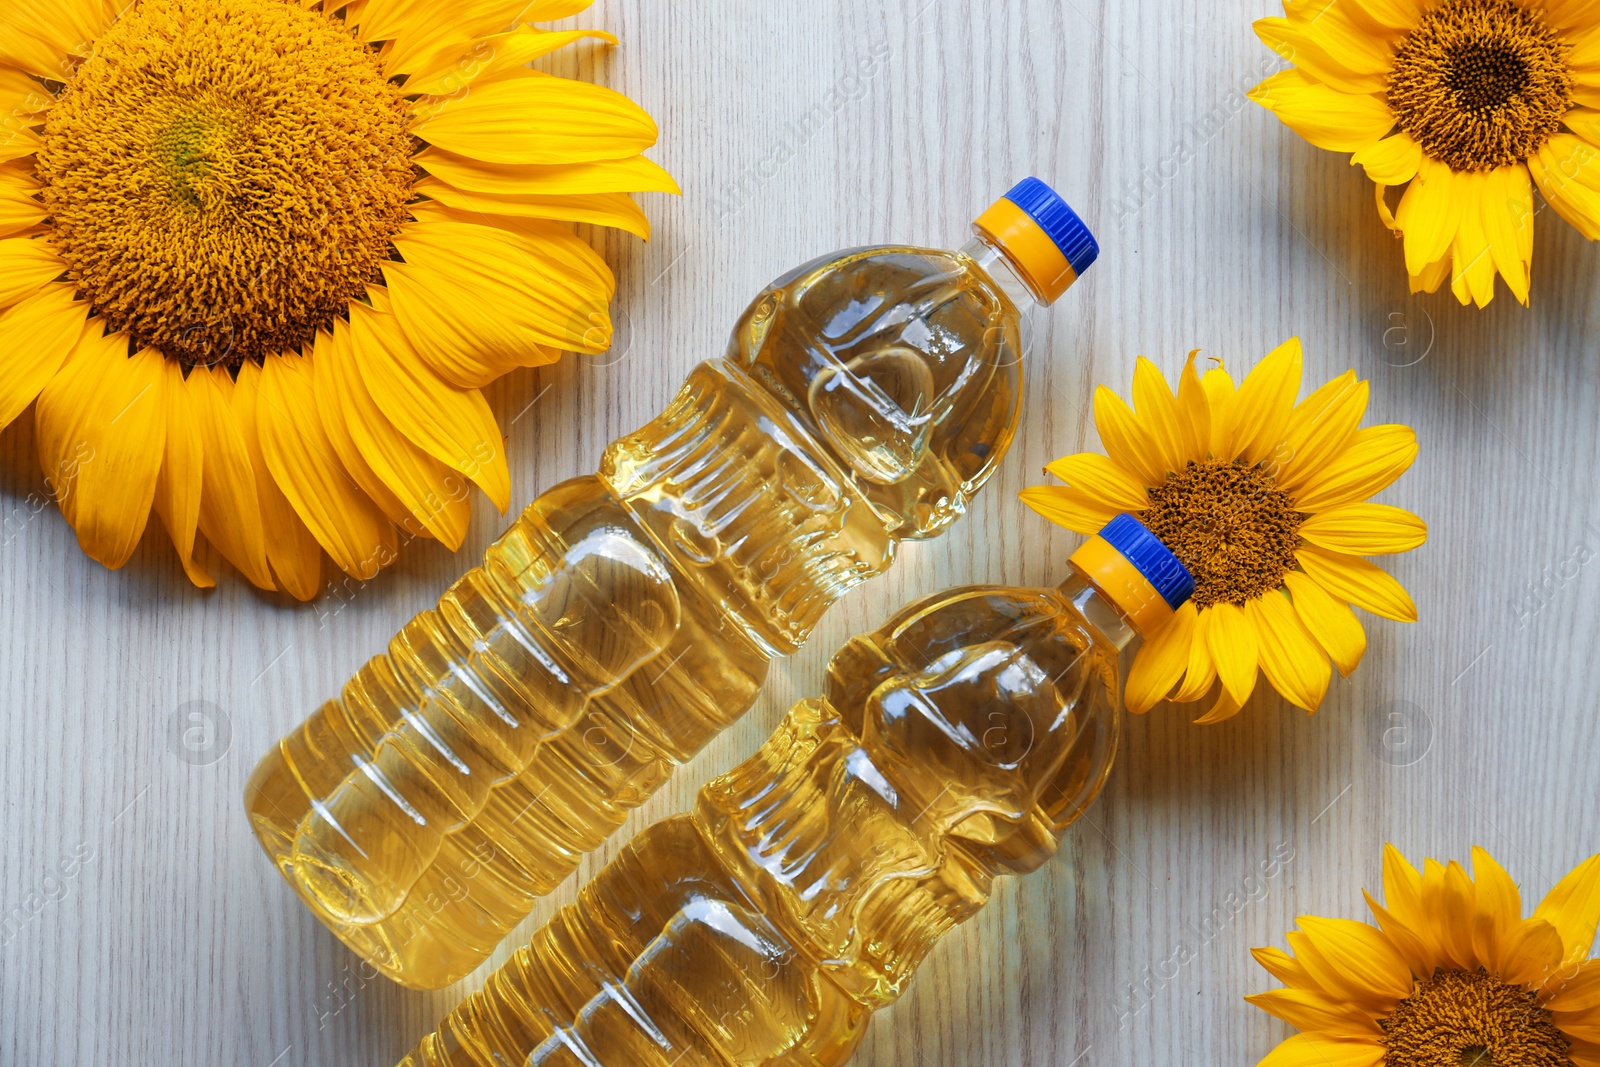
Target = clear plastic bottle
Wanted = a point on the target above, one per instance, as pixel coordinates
(627, 617)
(954, 745)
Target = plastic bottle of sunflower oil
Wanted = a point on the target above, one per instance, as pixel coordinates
(952, 746)
(627, 617)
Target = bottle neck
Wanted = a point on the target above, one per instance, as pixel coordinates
(1098, 610)
(995, 263)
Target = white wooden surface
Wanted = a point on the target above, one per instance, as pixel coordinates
(173, 942)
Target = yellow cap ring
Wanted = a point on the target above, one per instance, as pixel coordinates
(1123, 584)
(1027, 245)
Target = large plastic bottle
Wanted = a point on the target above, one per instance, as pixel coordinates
(627, 617)
(954, 745)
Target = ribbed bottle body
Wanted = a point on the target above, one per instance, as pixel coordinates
(626, 618)
(812, 879)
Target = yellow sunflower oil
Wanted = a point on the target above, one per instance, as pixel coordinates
(628, 616)
(953, 745)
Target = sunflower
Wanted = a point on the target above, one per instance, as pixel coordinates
(257, 258)
(1463, 100)
(1452, 975)
(1263, 500)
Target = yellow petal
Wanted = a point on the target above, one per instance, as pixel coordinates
(1364, 958)
(230, 505)
(1102, 479)
(479, 300)
(1224, 709)
(343, 519)
(36, 337)
(454, 426)
(180, 483)
(1402, 896)
(1158, 413)
(1353, 579)
(1072, 508)
(20, 95)
(1284, 967)
(597, 209)
(1299, 44)
(19, 210)
(1351, 40)
(26, 267)
(1507, 211)
(18, 142)
(1573, 907)
(1290, 659)
(1235, 649)
(1391, 161)
(1329, 620)
(1200, 674)
(1320, 428)
(1449, 895)
(1576, 991)
(1472, 259)
(1365, 529)
(635, 174)
(1528, 952)
(1413, 948)
(1430, 277)
(423, 35)
(1307, 1009)
(102, 436)
(1567, 171)
(538, 120)
(292, 550)
(1497, 907)
(428, 495)
(1331, 980)
(1126, 439)
(1161, 661)
(1221, 399)
(492, 55)
(1429, 215)
(1392, 14)
(1265, 400)
(1194, 412)
(1374, 457)
(1328, 118)
(1322, 1050)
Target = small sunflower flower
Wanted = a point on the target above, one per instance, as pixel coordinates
(1264, 501)
(1461, 102)
(1452, 975)
(258, 258)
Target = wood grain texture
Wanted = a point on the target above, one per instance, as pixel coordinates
(173, 942)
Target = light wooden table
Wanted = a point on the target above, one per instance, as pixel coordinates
(174, 943)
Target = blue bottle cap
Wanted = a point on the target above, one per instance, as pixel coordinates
(1151, 557)
(1045, 206)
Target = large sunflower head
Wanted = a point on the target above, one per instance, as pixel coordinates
(257, 258)
(1264, 501)
(1461, 101)
(1453, 975)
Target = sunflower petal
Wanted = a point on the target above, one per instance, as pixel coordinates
(489, 56)
(1362, 955)
(1284, 967)
(1497, 907)
(1296, 43)
(1221, 399)
(1566, 168)
(1307, 1009)
(1201, 673)
(1374, 457)
(343, 519)
(1071, 508)
(1527, 952)
(1320, 427)
(1161, 661)
(36, 337)
(1472, 259)
(26, 267)
(1402, 889)
(1224, 709)
(597, 209)
(479, 300)
(230, 504)
(19, 210)
(1101, 478)
(539, 120)
(102, 436)
(1394, 160)
(1573, 907)
(1353, 579)
(1329, 620)
(1158, 413)
(1410, 944)
(635, 174)
(1194, 413)
(1430, 214)
(1290, 659)
(1323, 1050)
(1328, 118)
(1365, 529)
(292, 550)
(1508, 226)
(180, 483)
(1235, 648)
(1577, 991)
(1265, 400)
(1126, 439)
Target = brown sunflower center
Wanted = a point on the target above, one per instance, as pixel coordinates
(1472, 1019)
(223, 176)
(1230, 526)
(1480, 83)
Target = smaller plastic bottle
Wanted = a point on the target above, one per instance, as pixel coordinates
(954, 745)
